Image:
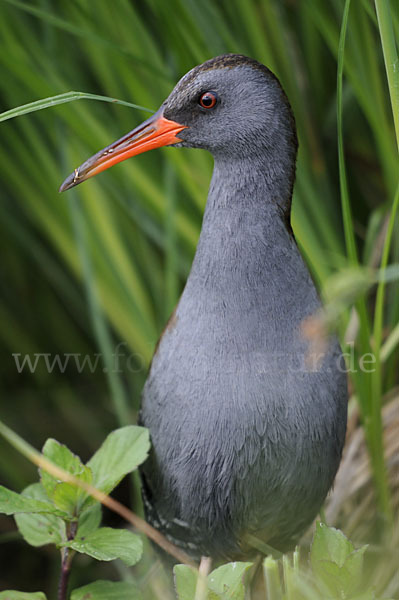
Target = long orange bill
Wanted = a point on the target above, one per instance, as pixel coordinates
(155, 132)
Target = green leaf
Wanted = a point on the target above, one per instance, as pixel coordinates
(107, 590)
(329, 544)
(89, 520)
(12, 503)
(354, 567)
(40, 529)
(185, 581)
(15, 595)
(335, 563)
(330, 579)
(61, 456)
(106, 543)
(69, 497)
(225, 583)
(66, 496)
(122, 451)
(228, 581)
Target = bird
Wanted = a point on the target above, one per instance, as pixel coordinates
(246, 435)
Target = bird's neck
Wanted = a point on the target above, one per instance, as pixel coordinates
(245, 231)
(247, 270)
(260, 180)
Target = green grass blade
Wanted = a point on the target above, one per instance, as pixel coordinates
(53, 21)
(99, 324)
(345, 202)
(390, 344)
(390, 56)
(380, 470)
(346, 208)
(62, 99)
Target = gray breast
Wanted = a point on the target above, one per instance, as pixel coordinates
(246, 438)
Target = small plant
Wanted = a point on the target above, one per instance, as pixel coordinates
(68, 515)
(61, 513)
(334, 573)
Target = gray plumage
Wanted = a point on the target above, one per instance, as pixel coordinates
(246, 437)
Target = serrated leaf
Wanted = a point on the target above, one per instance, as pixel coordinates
(71, 498)
(185, 581)
(354, 566)
(40, 529)
(61, 456)
(65, 495)
(335, 563)
(329, 544)
(89, 521)
(341, 581)
(12, 503)
(106, 543)
(15, 595)
(329, 579)
(107, 590)
(228, 581)
(122, 451)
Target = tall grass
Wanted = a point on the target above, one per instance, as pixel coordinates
(105, 263)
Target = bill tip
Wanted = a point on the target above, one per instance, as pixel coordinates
(67, 184)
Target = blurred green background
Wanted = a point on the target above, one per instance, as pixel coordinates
(98, 270)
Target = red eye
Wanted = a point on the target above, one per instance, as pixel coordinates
(208, 100)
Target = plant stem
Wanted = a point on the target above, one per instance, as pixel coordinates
(64, 576)
(66, 561)
(201, 590)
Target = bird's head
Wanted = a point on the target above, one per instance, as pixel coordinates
(231, 105)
